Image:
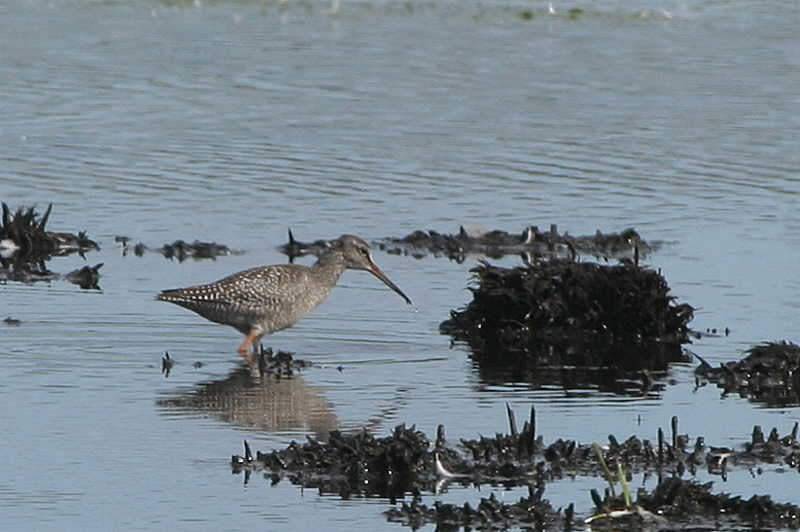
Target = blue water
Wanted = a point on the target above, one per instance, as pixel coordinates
(233, 121)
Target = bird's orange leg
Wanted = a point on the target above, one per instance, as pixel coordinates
(250, 340)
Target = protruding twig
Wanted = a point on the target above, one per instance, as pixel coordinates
(45, 217)
(773, 435)
(6, 216)
(262, 361)
(569, 513)
(758, 435)
(512, 422)
(291, 246)
(166, 364)
(598, 502)
(248, 456)
(674, 432)
(440, 437)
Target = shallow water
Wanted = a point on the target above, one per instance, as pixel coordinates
(232, 121)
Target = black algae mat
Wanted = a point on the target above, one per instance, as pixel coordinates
(559, 302)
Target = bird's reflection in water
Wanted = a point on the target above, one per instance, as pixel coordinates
(267, 403)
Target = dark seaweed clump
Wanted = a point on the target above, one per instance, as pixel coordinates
(86, 277)
(531, 243)
(346, 464)
(770, 373)
(26, 230)
(557, 301)
(674, 501)
(279, 364)
(680, 500)
(406, 462)
(532, 511)
(25, 246)
(179, 249)
(295, 248)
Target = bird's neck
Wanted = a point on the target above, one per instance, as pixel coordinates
(329, 266)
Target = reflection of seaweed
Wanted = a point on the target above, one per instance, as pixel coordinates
(619, 368)
(770, 374)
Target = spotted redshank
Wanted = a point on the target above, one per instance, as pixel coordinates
(266, 299)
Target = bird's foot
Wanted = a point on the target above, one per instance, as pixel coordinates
(245, 354)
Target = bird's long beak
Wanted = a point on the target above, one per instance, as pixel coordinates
(374, 270)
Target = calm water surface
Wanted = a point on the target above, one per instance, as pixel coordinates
(232, 121)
